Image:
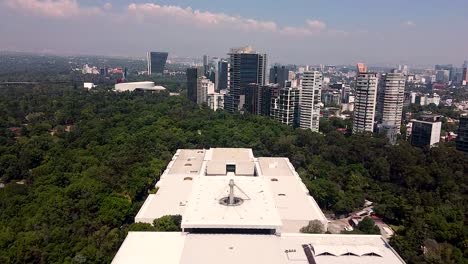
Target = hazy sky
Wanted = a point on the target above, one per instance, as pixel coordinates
(416, 32)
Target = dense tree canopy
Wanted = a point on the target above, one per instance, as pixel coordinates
(77, 165)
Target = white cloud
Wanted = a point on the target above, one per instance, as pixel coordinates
(50, 8)
(188, 15)
(107, 6)
(316, 24)
(409, 23)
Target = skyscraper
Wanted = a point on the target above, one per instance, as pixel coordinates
(279, 75)
(156, 62)
(364, 104)
(310, 100)
(391, 95)
(246, 67)
(223, 74)
(462, 139)
(193, 74)
(390, 101)
(465, 72)
(204, 87)
(267, 95)
(285, 108)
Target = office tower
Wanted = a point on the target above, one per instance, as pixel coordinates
(391, 96)
(204, 87)
(252, 98)
(465, 72)
(267, 94)
(285, 108)
(279, 75)
(365, 100)
(223, 74)
(462, 138)
(426, 132)
(193, 74)
(446, 67)
(156, 62)
(310, 100)
(361, 68)
(205, 64)
(442, 76)
(246, 67)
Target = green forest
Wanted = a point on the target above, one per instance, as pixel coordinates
(76, 165)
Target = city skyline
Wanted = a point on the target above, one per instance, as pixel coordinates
(318, 32)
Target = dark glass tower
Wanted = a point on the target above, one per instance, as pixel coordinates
(279, 75)
(246, 67)
(192, 76)
(156, 62)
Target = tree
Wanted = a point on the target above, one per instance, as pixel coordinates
(367, 226)
(314, 227)
(168, 223)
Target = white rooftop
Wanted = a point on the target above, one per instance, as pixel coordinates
(195, 181)
(196, 185)
(171, 248)
(256, 211)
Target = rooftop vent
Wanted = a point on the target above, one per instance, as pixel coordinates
(232, 200)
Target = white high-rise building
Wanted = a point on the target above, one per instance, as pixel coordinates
(391, 97)
(204, 87)
(364, 104)
(310, 100)
(284, 108)
(215, 101)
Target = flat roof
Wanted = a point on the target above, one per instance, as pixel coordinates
(295, 205)
(183, 248)
(257, 211)
(232, 249)
(151, 248)
(185, 190)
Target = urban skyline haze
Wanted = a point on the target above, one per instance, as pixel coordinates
(297, 31)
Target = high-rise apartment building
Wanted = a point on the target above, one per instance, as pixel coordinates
(156, 62)
(391, 95)
(204, 87)
(364, 103)
(193, 74)
(246, 67)
(462, 138)
(310, 100)
(285, 107)
(279, 75)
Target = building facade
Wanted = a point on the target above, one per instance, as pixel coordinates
(279, 75)
(391, 96)
(193, 74)
(246, 67)
(310, 100)
(156, 62)
(364, 103)
(462, 138)
(425, 132)
(285, 107)
(204, 87)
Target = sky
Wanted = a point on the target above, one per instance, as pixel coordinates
(377, 32)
